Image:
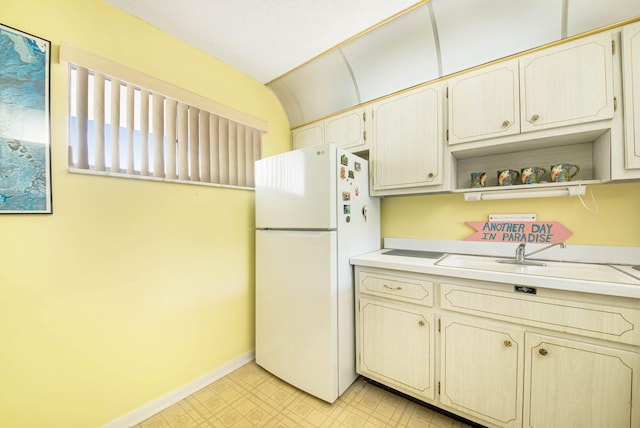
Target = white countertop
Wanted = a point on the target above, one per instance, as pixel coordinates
(430, 266)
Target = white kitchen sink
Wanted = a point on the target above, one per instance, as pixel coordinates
(566, 270)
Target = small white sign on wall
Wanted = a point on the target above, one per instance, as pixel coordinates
(512, 217)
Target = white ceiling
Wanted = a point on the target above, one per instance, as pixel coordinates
(263, 38)
(267, 39)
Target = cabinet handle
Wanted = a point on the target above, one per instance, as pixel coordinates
(534, 118)
(542, 351)
(430, 175)
(507, 343)
(421, 323)
(505, 123)
(391, 288)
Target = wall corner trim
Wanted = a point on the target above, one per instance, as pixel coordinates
(159, 404)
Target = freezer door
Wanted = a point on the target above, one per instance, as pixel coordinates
(297, 189)
(296, 309)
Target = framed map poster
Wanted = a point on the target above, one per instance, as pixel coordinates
(25, 166)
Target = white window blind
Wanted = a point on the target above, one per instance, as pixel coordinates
(121, 128)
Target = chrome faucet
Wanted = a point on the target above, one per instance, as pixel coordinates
(520, 254)
(520, 258)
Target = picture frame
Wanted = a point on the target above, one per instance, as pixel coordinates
(25, 135)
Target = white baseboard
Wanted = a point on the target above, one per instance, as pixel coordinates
(161, 403)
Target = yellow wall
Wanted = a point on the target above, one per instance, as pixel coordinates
(130, 289)
(445, 216)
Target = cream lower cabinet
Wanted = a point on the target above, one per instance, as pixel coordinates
(567, 383)
(397, 344)
(565, 357)
(574, 384)
(395, 331)
(497, 355)
(481, 370)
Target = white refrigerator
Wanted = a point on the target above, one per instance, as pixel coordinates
(313, 212)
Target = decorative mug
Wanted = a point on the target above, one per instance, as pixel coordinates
(507, 177)
(532, 174)
(478, 179)
(561, 172)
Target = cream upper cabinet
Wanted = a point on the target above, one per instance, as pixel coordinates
(631, 80)
(567, 84)
(573, 384)
(481, 370)
(397, 345)
(407, 142)
(308, 135)
(484, 104)
(347, 130)
(564, 97)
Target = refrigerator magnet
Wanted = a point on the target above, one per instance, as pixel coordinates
(346, 209)
(357, 166)
(346, 196)
(344, 160)
(351, 174)
(343, 172)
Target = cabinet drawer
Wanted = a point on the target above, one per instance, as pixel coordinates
(407, 289)
(613, 323)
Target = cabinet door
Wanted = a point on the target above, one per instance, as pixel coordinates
(407, 140)
(631, 80)
(308, 135)
(572, 384)
(396, 346)
(484, 104)
(347, 130)
(568, 84)
(481, 371)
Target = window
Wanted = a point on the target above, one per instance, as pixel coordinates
(121, 128)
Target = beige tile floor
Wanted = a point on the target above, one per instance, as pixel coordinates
(252, 397)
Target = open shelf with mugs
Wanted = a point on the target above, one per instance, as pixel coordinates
(548, 167)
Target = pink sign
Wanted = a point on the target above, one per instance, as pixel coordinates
(523, 232)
